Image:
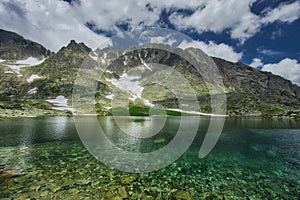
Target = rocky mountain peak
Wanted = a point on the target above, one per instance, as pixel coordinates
(77, 47)
(74, 53)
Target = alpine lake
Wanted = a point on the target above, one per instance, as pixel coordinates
(254, 158)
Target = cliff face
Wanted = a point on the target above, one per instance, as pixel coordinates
(15, 47)
(264, 85)
(248, 91)
(258, 92)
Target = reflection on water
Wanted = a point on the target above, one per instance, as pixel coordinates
(139, 127)
(254, 159)
(57, 127)
(27, 131)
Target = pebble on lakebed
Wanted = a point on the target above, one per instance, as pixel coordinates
(7, 173)
(128, 179)
(159, 140)
(182, 195)
(116, 193)
(56, 174)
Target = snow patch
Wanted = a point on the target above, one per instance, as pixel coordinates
(129, 84)
(196, 113)
(147, 103)
(60, 103)
(33, 77)
(144, 63)
(110, 96)
(32, 91)
(31, 61)
(2, 60)
(8, 72)
(103, 59)
(94, 57)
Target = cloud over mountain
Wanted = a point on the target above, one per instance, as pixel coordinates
(231, 22)
(53, 23)
(217, 50)
(287, 68)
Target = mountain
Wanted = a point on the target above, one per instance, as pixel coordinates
(15, 47)
(45, 87)
(59, 71)
(30, 90)
(257, 91)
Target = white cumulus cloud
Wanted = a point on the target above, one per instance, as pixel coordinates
(284, 13)
(256, 62)
(217, 50)
(287, 68)
(234, 16)
(53, 23)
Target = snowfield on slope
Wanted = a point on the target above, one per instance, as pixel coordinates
(31, 61)
(60, 103)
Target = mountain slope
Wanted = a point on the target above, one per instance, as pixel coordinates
(264, 85)
(59, 71)
(249, 91)
(258, 92)
(30, 92)
(15, 47)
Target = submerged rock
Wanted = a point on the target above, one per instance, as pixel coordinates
(2, 166)
(122, 192)
(7, 173)
(182, 195)
(128, 179)
(83, 182)
(117, 193)
(55, 189)
(23, 197)
(159, 141)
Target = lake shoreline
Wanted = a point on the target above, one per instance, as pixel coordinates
(36, 113)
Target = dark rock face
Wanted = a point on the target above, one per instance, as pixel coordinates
(15, 47)
(258, 84)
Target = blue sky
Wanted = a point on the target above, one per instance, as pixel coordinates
(260, 33)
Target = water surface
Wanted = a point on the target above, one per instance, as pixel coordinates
(254, 159)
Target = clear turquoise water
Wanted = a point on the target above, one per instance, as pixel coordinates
(254, 159)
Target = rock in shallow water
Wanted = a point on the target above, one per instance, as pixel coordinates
(117, 193)
(7, 173)
(128, 179)
(159, 141)
(182, 195)
(2, 166)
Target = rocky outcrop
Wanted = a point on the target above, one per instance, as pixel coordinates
(59, 70)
